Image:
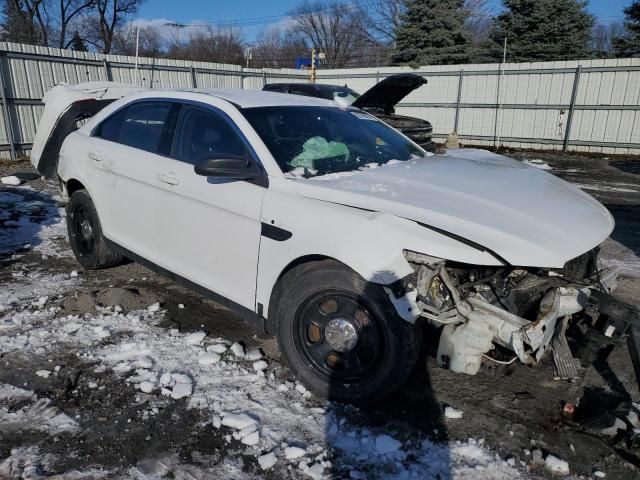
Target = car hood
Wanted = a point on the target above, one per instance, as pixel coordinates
(389, 92)
(520, 213)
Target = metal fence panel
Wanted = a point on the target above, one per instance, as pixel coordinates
(587, 105)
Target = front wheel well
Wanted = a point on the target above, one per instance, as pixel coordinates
(275, 293)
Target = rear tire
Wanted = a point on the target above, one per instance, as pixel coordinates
(85, 234)
(341, 335)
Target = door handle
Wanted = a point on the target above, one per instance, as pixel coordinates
(168, 179)
(96, 156)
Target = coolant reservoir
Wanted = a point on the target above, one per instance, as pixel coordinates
(461, 346)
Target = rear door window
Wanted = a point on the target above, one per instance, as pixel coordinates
(147, 126)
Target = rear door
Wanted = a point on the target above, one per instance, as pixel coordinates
(126, 153)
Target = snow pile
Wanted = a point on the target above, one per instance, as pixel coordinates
(38, 416)
(452, 413)
(267, 460)
(538, 164)
(11, 180)
(556, 465)
(30, 220)
(29, 463)
(386, 444)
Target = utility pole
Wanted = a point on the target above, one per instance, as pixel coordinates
(137, 50)
(313, 65)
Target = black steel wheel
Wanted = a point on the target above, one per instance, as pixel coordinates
(83, 231)
(85, 234)
(340, 335)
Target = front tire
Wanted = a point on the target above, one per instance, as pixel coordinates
(85, 234)
(341, 335)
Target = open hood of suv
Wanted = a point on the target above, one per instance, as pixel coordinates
(386, 94)
(520, 213)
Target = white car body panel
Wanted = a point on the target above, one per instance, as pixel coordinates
(521, 213)
(209, 232)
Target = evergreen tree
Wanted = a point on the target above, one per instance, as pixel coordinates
(628, 45)
(432, 33)
(17, 25)
(543, 30)
(77, 43)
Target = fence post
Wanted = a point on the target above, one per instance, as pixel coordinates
(496, 137)
(5, 110)
(194, 80)
(264, 77)
(107, 70)
(457, 117)
(574, 95)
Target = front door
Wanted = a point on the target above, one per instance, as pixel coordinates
(210, 228)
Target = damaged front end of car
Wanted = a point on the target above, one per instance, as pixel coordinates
(504, 314)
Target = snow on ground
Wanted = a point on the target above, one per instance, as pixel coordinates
(30, 220)
(542, 165)
(620, 188)
(278, 422)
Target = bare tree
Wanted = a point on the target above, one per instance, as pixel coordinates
(382, 18)
(604, 36)
(209, 44)
(277, 48)
(19, 24)
(68, 12)
(152, 41)
(479, 21)
(28, 15)
(101, 27)
(335, 28)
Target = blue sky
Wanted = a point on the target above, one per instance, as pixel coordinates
(197, 11)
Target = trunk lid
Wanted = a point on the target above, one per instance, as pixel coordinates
(65, 106)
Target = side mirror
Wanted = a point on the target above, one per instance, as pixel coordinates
(228, 166)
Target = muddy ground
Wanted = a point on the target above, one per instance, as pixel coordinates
(517, 411)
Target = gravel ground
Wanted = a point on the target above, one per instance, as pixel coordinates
(91, 417)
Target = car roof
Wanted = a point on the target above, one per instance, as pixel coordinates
(308, 86)
(257, 98)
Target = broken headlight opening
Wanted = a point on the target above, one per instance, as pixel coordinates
(496, 313)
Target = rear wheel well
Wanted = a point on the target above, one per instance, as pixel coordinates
(73, 185)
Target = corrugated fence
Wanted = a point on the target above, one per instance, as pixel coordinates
(589, 105)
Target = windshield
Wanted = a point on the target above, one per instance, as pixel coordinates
(312, 141)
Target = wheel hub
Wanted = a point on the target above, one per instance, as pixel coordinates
(341, 335)
(87, 231)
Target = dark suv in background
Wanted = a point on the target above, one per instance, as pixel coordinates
(380, 101)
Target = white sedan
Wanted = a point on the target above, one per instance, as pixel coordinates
(326, 227)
